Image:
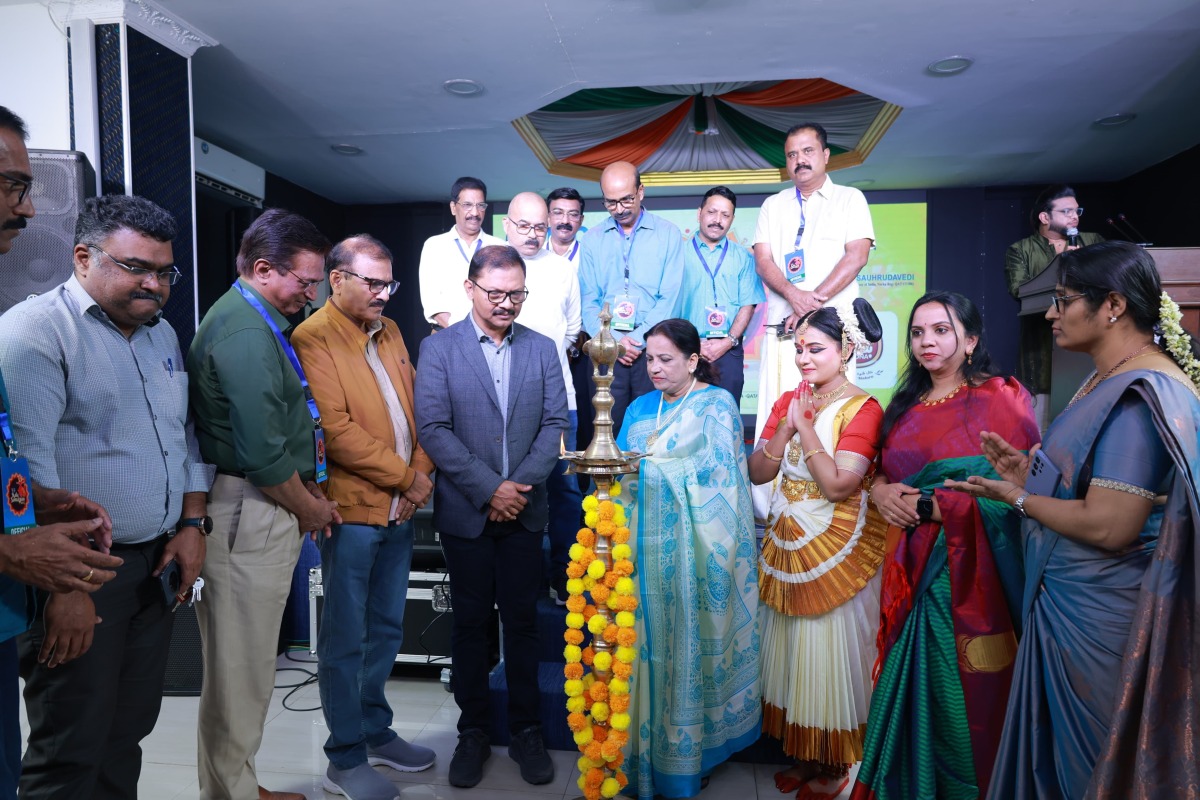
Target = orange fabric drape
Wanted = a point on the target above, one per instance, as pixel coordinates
(635, 146)
(791, 93)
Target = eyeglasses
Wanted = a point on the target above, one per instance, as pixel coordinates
(1059, 302)
(18, 186)
(374, 285)
(305, 283)
(1070, 212)
(168, 275)
(480, 207)
(496, 296)
(524, 228)
(625, 202)
(559, 213)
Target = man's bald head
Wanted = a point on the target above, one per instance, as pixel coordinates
(621, 184)
(525, 224)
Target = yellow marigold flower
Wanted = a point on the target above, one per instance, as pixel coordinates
(619, 722)
(602, 661)
(590, 503)
(596, 624)
(624, 586)
(625, 619)
(618, 686)
(599, 710)
(596, 569)
(588, 582)
(573, 688)
(610, 788)
(583, 764)
(576, 551)
(583, 737)
(591, 518)
(622, 551)
(575, 620)
(572, 653)
(619, 518)
(574, 586)
(615, 489)
(626, 655)
(576, 703)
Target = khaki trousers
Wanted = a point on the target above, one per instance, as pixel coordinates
(252, 553)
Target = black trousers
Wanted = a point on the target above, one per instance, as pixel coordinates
(87, 717)
(629, 383)
(502, 567)
(732, 368)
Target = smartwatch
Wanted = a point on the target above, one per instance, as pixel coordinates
(925, 505)
(205, 524)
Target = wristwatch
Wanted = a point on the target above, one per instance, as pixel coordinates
(925, 505)
(1019, 505)
(205, 524)
(734, 341)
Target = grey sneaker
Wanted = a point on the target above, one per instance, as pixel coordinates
(466, 767)
(529, 751)
(401, 755)
(359, 783)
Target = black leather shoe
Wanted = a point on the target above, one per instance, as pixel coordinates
(529, 751)
(466, 767)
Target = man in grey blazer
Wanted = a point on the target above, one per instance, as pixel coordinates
(491, 410)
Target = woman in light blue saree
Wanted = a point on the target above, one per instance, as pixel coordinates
(694, 697)
(1105, 700)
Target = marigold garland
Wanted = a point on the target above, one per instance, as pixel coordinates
(598, 701)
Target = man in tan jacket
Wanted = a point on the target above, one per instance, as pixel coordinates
(362, 379)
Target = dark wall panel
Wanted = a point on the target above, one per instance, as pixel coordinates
(109, 67)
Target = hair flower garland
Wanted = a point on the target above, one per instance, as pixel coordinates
(1176, 340)
(598, 700)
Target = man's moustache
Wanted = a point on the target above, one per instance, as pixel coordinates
(15, 224)
(566, 226)
(801, 166)
(146, 296)
(378, 304)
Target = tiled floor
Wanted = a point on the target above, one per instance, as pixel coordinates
(291, 757)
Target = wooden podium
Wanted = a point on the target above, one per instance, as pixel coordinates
(1179, 268)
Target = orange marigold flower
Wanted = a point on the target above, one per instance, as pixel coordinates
(589, 611)
(576, 721)
(572, 636)
(624, 567)
(599, 691)
(620, 737)
(621, 536)
(575, 570)
(586, 537)
(600, 594)
(589, 655)
(573, 672)
(594, 777)
(611, 632)
(619, 703)
(624, 604)
(607, 509)
(606, 527)
(576, 603)
(619, 668)
(594, 752)
(622, 779)
(611, 751)
(611, 578)
(626, 637)
(600, 733)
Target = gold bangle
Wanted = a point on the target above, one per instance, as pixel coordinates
(812, 453)
(770, 457)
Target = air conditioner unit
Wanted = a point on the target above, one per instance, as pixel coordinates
(224, 171)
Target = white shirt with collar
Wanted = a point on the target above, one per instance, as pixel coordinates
(572, 253)
(443, 269)
(833, 216)
(553, 307)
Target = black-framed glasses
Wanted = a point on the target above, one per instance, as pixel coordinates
(1059, 301)
(559, 213)
(525, 228)
(1070, 212)
(168, 275)
(625, 202)
(480, 207)
(374, 285)
(496, 296)
(18, 186)
(305, 283)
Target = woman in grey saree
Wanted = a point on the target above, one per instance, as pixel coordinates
(1104, 701)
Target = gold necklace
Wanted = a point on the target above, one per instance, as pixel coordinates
(925, 401)
(674, 412)
(793, 448)
(1092, 382)
(831, 393)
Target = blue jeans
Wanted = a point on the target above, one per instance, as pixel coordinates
(365, 570)
(565, 501)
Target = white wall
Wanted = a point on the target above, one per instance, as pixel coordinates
(37, 53)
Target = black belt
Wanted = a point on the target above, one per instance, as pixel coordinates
(139, 545)
(231, 473)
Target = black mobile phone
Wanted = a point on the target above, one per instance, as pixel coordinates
(169, 579)
(1044, 477)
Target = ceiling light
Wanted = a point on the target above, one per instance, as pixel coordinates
(346, 149)
(862, 182)
(952, 65)
(1114, 120)
(463, 87)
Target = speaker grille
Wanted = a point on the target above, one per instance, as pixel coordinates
(41, 257)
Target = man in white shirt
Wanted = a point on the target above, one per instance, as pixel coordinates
(566, 223)
(811, 241)
(445, 257)
(553, 310)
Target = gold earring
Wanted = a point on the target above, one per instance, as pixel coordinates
(969, 354)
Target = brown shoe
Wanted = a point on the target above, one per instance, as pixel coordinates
(267, 794)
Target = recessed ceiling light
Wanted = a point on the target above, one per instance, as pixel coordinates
(463, 87)
(862, 182)
(1114, 120)
(952, 65)
(346, 149)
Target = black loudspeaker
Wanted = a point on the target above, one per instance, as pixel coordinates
(41, 257)
(185, 668)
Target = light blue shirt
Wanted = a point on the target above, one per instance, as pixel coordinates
(499, 362)
(655, 252)
(737, 283)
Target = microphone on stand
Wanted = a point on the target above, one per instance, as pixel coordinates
(1124, 233)
(1072, 237)
(1137, 234)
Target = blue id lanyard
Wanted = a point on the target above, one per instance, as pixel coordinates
(318, 434)
(463, 253)
(627, 253)
(14, 480)
(712, 272)
(800, 230)
(569, 256)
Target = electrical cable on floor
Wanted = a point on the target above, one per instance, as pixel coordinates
(295, 687)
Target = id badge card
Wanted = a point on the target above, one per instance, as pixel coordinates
(321, 468)
(624, 313)
(718, 322)
(794, 266)
(18, 494)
